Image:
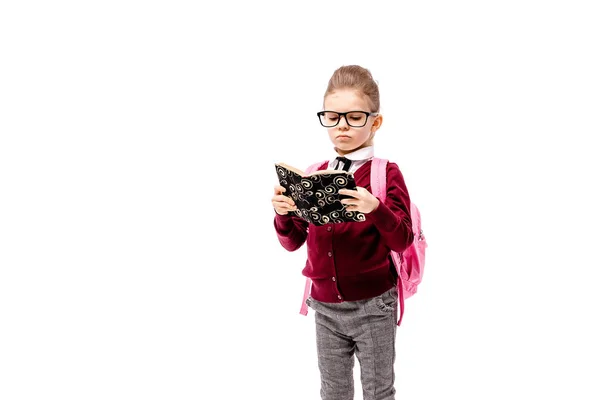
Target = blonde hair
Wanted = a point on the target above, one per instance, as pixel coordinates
(357, 78)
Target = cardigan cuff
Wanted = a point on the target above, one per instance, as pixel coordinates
(283, 223)
(383, 217)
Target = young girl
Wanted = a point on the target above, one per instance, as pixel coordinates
(353, 291)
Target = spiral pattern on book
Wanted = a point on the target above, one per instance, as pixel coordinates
(317, 196)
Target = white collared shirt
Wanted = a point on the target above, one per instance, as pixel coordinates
(358, 158)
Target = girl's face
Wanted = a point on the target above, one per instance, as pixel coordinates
(347, 139)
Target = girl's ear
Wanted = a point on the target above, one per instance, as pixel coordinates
(377, 123)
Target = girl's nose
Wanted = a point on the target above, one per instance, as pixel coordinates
(343, 124)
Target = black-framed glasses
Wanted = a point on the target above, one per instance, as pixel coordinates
(355, 119)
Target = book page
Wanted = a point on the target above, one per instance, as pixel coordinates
(319, 172)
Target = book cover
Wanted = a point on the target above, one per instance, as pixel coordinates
(317, 194)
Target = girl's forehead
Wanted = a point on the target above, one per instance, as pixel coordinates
(346, 98)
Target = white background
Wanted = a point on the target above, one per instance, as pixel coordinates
(137, 139)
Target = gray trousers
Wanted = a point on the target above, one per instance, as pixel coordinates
(365, 328)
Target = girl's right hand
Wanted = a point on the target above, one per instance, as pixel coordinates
(282, 204)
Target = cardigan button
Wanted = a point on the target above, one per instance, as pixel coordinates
(328, 229)
(329, 254)
(339, 297)
(333, 278)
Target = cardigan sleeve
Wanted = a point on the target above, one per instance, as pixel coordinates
(392, 217)
(291, 231)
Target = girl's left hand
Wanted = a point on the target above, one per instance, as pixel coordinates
(362, 200)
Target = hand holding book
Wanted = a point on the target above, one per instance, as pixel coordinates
(281, 203)
(360, 200)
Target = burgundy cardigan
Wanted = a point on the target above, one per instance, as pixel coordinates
(350, 261)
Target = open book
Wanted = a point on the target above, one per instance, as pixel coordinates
(317, 194)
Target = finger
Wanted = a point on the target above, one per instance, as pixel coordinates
(284, 199)
(282, 211)
(346, 192)
(285, 205)
(350, 200)
(290, 205)
(279, 189)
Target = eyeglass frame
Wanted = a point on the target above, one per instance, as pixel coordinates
(343, 114)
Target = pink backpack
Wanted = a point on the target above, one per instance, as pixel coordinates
(410, 263)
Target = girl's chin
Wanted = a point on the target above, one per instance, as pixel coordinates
(345, 142)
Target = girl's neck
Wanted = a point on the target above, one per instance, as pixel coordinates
(343, 153)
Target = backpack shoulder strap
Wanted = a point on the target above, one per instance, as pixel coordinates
(379, 178)
(314, 167)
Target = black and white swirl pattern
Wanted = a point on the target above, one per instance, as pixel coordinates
(317, 196)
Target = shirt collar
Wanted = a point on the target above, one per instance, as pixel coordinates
(364, 153)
